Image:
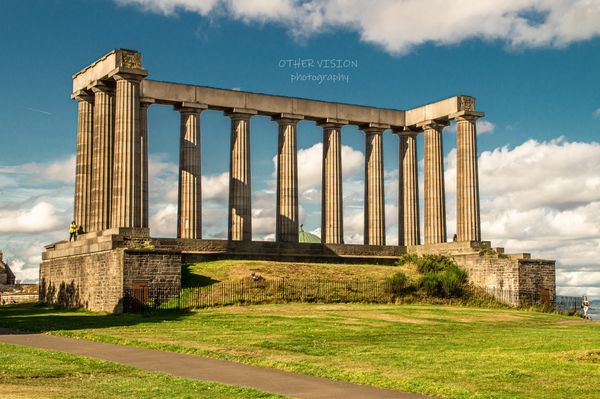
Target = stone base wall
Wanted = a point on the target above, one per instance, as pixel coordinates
(93, 281)
(95, 271)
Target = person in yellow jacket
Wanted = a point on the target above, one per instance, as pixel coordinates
(73, 231)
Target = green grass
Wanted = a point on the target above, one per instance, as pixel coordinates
(36, 373)
(444, 351)
(205, 273)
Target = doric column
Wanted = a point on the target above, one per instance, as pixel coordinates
(240, 193)
(467, 181)
(332, 218)
(83, 169)
(126, 195)
(103, 155)
(435, 202)
(286, 227)
(408, 193)
(189, 211)
(144, 104)
(374, 206)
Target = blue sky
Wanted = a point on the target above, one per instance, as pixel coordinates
(532, 66)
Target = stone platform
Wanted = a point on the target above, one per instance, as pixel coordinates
(95, 271)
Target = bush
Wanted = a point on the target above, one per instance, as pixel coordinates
(408, 258)
(434, 263)
(397, 284)
(447, 283)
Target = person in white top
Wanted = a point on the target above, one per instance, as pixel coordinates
(586, 306)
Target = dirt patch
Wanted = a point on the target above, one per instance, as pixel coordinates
(28, 390)
(389, 317)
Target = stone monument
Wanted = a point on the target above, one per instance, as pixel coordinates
(113, 96)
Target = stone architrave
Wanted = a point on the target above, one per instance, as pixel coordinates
(126, 195)
(467, 181)
(374, 204)
(434, 201)
(103, 155)
(240, 191)
(332, 220)
(83, 170)
(189, 211)
(408, 194)
(286, 228)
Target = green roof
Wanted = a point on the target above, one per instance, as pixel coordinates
(308, 237)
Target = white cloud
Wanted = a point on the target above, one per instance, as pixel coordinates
(542, 198)
(518, 23)
(310, 164)
(215, 187)
(596, 113)
(61, 171)
(484, 126)
(41, 217)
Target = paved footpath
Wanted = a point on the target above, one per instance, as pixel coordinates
(202, 368)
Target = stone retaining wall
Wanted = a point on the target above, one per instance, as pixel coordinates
(97, 280)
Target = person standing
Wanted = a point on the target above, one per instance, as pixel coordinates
(586, 306)
(73, 231)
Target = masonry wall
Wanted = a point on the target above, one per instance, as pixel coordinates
(537, 278)
(156, 268)
(93, 281)
(518, 281)
(97, 281)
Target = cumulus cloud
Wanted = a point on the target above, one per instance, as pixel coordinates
(518, 23)
(544, 198)
(310, 161)
(60, 171)
(596, 113)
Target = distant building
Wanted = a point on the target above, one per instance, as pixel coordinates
(7, 277)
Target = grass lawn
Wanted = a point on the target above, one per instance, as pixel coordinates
(36, 373)
(205, 273)
(444, 351)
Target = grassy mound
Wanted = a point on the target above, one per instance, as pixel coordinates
(435, 278)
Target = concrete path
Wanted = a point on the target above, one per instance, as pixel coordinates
(201, 368)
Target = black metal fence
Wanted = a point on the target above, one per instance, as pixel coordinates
(248, 291)
(568, 303)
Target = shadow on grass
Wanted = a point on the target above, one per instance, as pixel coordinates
(41, 318)
(190, 279)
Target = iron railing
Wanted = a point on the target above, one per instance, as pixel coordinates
(248, 291)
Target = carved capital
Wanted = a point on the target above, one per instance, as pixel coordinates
(466, 116)
(102, 86)
(435, 124)
(240, 113)
(288, 119)
(83, 95)
(190, 108)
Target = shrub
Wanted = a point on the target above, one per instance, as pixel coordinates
(408, 258)
(453, 281)
(447, 282)
(434, 263)
(431, 285)
(397, 284)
